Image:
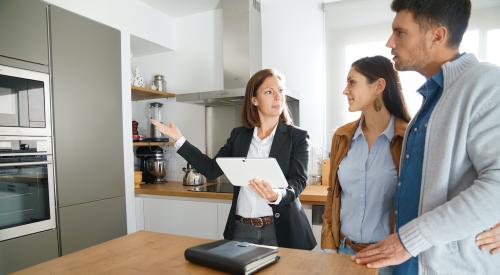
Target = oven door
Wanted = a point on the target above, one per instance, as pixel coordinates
(26, 195)
(24, 102)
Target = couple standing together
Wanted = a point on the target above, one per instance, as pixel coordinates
(417, 198)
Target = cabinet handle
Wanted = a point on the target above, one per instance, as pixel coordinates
(25, 163)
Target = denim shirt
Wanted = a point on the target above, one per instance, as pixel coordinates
(407, 197)
(368, 179)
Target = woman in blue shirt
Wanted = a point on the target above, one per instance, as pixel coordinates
(365, 159)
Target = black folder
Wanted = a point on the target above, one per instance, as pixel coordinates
(232, 256)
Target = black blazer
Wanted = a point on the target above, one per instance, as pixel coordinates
(291, 149)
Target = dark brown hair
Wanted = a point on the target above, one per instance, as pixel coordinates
(452, 14)
(249, 113)
(376, 67)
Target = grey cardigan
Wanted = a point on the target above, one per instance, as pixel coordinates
(460, 191)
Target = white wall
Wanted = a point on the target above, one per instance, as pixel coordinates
(196, 65)
(131, 16)
(293, 42)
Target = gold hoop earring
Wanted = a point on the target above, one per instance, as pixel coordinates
(377, 104)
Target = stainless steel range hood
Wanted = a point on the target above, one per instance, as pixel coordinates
(242, 54)
(227, 97)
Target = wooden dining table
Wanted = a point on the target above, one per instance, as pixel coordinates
(146, 252)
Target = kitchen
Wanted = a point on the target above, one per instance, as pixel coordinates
(96, 199)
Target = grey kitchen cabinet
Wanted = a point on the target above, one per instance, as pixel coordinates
(23, 31)
(88, 224)
(28, 250)
(86, 73)
(88, 134)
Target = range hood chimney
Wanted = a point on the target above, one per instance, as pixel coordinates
(242, 54)
(242, 57)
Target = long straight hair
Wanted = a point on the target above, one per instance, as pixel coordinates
(376, 67)
(249, 113)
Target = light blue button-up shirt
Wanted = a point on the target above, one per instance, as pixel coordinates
(368, 179)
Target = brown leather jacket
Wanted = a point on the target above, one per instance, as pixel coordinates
(341, 141)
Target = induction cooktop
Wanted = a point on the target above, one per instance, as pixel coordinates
(221, 187)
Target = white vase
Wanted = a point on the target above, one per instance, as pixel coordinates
(138, 78)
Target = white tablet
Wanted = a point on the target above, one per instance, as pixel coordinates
(240, 171)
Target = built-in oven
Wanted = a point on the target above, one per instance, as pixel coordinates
(24, 102)
(27, 203)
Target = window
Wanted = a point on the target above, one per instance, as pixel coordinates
(470, 42)
(411, 81)
(493, 46)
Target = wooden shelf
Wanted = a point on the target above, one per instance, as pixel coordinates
(153, 143)
(140, 93)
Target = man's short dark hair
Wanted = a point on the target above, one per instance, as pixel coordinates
(452, 14)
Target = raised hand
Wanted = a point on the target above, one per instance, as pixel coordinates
(170, 129)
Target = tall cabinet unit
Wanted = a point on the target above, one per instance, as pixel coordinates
(23, 44)
(86, 73)
(24, 31)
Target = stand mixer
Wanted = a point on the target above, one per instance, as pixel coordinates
(153, 166)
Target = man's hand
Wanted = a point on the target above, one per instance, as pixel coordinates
(490, 240)
(384, 253)
(264, 189)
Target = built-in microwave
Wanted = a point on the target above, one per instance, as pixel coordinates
(24, 102)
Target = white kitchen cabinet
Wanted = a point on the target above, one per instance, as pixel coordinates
(223, 209)
(139, 213)
(195, 217)
(181, 216)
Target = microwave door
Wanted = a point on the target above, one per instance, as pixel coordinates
(24, 103)
(36, 106)
(23, 108)
(13, 101)
(9, 107)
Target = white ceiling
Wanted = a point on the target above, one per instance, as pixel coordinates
(179, 8)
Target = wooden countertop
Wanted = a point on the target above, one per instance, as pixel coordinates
(157, 253)
(313, 194)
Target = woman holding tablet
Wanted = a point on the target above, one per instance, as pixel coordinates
(260, 213)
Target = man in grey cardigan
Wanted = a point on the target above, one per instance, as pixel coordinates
(449, 189)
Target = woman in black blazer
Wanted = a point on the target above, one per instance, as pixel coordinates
(260, 213)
